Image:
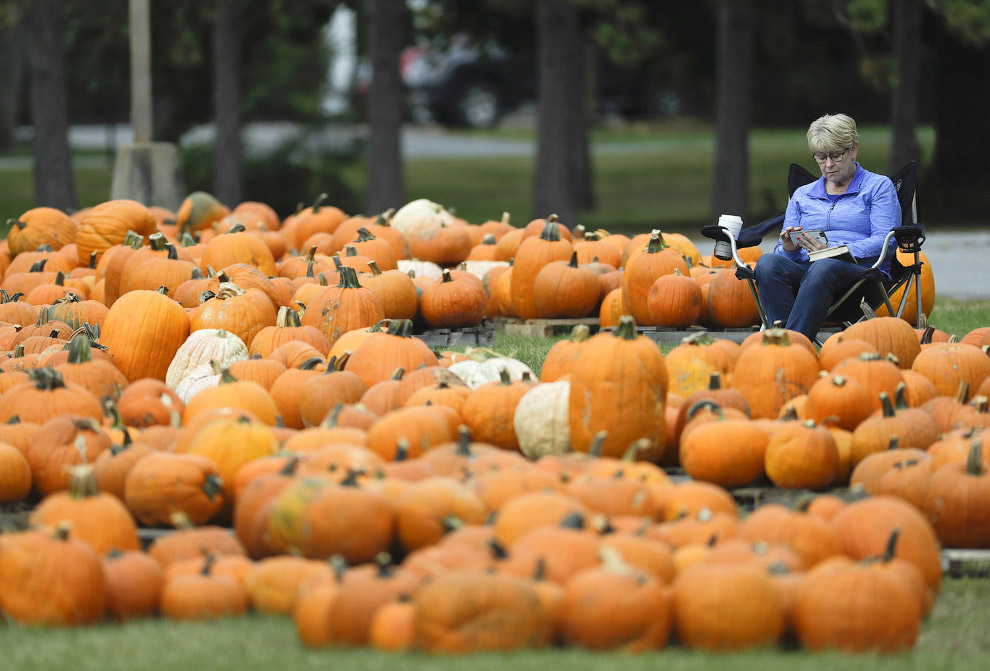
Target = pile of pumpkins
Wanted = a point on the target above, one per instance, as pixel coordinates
(318, 461)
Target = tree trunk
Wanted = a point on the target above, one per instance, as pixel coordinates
(955, 186)
(905, 98)
(735, 57)
(562, 165)
(53, 179)
(227, 101)
(11, 76)
(385, 105)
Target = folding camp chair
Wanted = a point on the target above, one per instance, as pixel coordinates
(872, 286)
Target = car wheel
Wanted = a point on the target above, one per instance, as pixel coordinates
(477, 105)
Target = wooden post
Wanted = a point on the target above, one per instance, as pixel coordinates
(145, 171)
(140, 24)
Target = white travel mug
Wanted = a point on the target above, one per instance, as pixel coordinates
(732, 224)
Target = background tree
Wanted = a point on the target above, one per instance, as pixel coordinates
(905, 96)
(227, 100)
(12, 49)
(735, 45)
(386, 38)
(561, 127)
(54, 183)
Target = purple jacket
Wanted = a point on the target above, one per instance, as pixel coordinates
(860, 218)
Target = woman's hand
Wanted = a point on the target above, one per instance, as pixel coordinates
(785, 238)
(810, 243)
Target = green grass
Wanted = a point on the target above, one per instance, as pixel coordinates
(957, 317)
(956, 636)
(664, 179)
(17, 194)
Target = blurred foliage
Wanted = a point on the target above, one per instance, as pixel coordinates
(282, 77)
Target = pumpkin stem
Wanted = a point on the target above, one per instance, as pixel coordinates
(657, 243)
(962, 393)
(867, 310)
(82, 482)
(702, 338)
(212, 487)
(974, 460)
(400, 327)
(635, 448)
(776, 337)
(80, 350)
(330, 421)
(320, 199)
(46, 378)
(352, 475)
(287, 318)
(626, 328)
(348, 278)
(181, 521)
(499, 551)
(208, 563)
(715, 381)
(61, 531)
(384, 560)
(401, 449)
(888, 407)
(705, 403)
(597, 443)
(290, 465)
(891, 548)
(551, 230)
(573, 520)
(464, 441)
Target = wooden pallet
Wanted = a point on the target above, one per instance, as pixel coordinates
(476, 336)
(542, 328)
(966, 563)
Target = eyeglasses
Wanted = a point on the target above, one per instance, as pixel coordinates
(836, 156)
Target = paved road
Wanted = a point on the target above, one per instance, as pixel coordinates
(959, 259)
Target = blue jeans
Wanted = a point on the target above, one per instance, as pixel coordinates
(800, 294)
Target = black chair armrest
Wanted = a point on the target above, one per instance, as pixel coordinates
(909, 238)
(749, 236)
(745, 273)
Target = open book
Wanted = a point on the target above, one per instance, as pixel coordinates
(840, 252)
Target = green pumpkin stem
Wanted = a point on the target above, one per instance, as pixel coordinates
(212, 487)
(657, 243)
(401, 327)
(348, 278)
(888, 407)
(319, 202)
(626, 328)
(974, 459)
(551, 230)
(597, 443)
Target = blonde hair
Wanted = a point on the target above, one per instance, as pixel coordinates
(832, 132)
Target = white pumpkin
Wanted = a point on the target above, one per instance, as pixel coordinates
(204, 376)
(202, 347)
(479, 369)
(481, 268)
(420, 214)
(421, 268)
(541, 420)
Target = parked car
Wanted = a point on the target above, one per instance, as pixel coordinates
(471, 85)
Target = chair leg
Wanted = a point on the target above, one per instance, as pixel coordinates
(886, 298)
(917, 293)
(759, 305)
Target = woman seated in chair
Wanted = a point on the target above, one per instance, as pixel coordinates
(854, 207)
